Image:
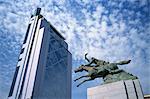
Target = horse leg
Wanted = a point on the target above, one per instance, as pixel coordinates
(81, 77)
(84, 81)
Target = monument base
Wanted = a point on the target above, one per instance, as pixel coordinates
(128, 89)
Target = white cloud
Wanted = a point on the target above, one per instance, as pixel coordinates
(124, 38)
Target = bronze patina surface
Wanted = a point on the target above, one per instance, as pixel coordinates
(108, 71)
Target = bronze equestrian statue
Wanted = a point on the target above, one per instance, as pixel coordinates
(108, 71)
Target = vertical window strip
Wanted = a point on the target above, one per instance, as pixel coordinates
(27, 34)
(14, 81)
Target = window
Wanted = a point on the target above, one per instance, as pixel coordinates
(20, 59)
(22, 50)
(14, 81)
(27, 34)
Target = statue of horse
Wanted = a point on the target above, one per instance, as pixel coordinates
(108, 71)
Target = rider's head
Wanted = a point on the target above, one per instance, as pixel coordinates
(104, 63)
(92, 58)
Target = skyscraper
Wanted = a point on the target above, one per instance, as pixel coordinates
(44, 66)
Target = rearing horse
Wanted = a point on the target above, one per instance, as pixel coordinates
(108, 71)
(93, 72)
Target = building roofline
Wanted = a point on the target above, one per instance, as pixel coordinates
(54, 29)
(37, 13)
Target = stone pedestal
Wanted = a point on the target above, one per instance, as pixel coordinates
(129, 89)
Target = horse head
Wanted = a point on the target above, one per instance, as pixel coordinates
(79, 69)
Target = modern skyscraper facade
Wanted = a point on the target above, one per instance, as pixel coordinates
(44, 66)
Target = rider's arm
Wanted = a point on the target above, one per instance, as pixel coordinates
(90, 63)
(86, 57)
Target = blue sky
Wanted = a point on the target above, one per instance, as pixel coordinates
(111, 30)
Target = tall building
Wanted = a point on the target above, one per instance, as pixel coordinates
(44, 66)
